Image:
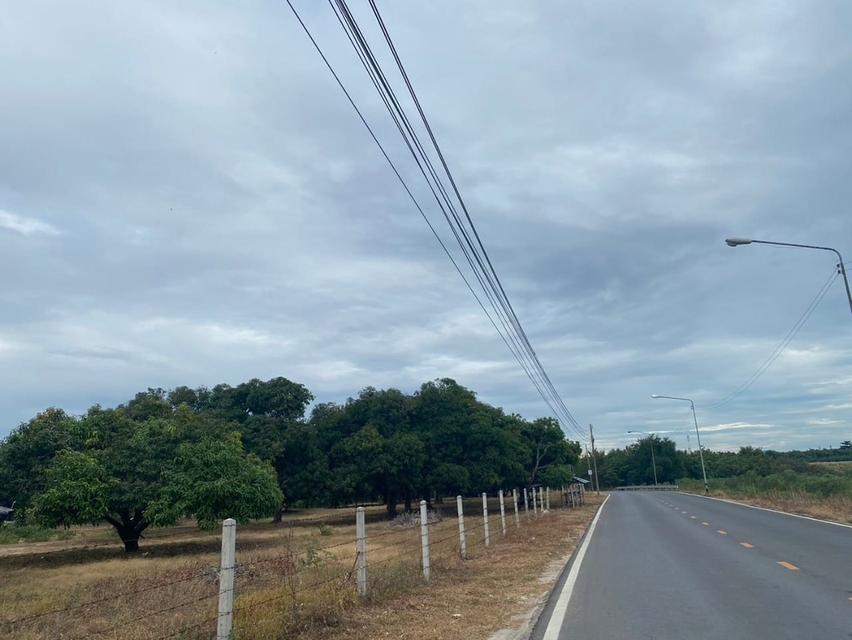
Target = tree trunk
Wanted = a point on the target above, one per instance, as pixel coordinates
(408, 504)
(129, 529)
(131, 546)
(129, 537)
(391, 504)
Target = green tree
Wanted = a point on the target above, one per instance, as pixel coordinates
(27, 452)
(125, 472)
(213, 480)
(550, 452)
(270, 416)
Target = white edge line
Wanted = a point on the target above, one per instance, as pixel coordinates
(554, 625)
(751, 506)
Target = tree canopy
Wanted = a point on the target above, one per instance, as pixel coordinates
(631, 465)
(250, 451)
(133, 468)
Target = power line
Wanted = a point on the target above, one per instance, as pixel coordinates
(474, 252)
(502, 291)
(415, 147)
(515, 350)
(520, 345)
(781, 346)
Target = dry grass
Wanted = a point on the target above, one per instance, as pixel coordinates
(292, 580)
(833, 464)
(837, 508)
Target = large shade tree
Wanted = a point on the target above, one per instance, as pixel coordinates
(131, 474)
(29, 450)
(270, 416)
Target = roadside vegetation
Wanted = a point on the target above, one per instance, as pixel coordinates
(250, 452)
(816, 482)
(824, 492)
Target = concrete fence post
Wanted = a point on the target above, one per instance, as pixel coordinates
(424, 539)
(515, 503)
(547, 498)
(226, 580)
(541, 498)
(535, 502)
(526, 503)
(485, 518)
(462, 542)
(361, 551)
(502, 512)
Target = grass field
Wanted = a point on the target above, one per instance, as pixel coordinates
(293, 579)
(826, 493)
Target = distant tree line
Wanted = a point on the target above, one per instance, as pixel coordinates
(250, 451)
(631, 465)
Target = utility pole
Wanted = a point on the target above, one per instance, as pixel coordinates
(595, 460)
(653, 461)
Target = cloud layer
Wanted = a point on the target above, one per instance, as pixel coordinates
(186, 198)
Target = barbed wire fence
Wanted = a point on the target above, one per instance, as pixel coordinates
(258, 595)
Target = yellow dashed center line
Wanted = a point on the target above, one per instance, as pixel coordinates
(747, 545)
(724, 533)
(789, 566)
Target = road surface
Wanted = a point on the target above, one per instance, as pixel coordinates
(666, 565)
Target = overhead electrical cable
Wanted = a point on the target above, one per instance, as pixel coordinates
(466, 236)
(503, 307)
(520, 346)
(502, 291)
(782, 345)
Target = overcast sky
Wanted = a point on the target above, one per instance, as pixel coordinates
(186, 198)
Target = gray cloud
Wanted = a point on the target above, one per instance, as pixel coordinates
(187, 199)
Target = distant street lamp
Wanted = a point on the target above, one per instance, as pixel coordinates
(653, 460)
(841, 269)
(697, 434)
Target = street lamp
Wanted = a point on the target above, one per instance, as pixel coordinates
(653, 460)
(841, 269)
(697, 433)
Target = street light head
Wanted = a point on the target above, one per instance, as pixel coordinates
(735, 242)
(655, 396)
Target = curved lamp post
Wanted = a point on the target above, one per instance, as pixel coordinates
(697, 434)
(653, 460)
(841, 269)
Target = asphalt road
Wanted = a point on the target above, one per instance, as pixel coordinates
(664, 565)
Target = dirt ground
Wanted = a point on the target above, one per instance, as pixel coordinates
(491, 595)
(294, 580)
